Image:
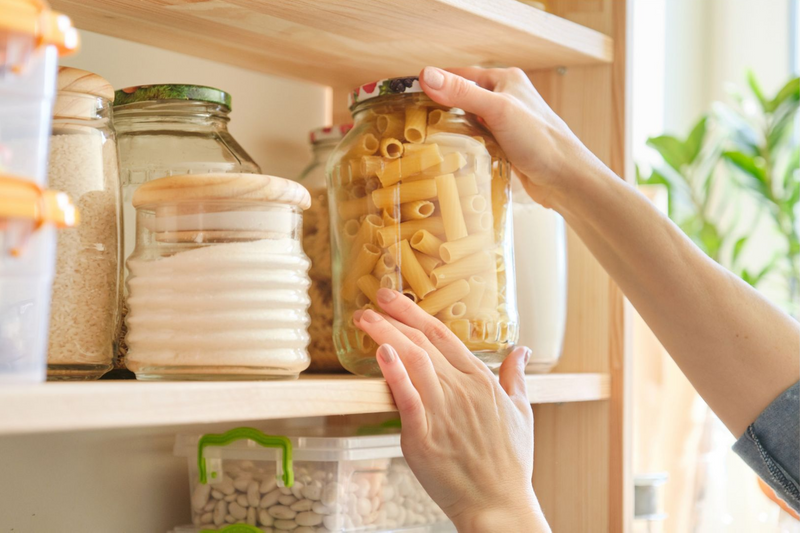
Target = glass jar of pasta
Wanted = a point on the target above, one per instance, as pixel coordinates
(420, 197)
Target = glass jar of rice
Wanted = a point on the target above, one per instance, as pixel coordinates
(84, 315)
(420, 197)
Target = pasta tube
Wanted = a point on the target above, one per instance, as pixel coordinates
(402, 193)
(385, 265)
(350, 230)
(388, 235)
(411, 163)
(369, 285)
(348, 209)
(366, 144)
(490, 295)
(364, 263)
(391, 281)
(450, 205)
(427, 262)
(426, 242)
(452, 311)
(372, 184)
(470, 265)
(452, 251)
(416, 124)
(367, 233)
(413, 272)
(477, 286)
(460, 327)
(473, 205)
(479, 223)
(369, 166)
(438, 117)
(416, 210)
(390, 125)
(441, 298)
(362, 300)
(466, 184)
(390, 216)
(411, 295)
(391, 148)
(364, 342)
(451, 163)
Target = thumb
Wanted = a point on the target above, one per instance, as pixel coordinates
(512, 373)
(451, 90)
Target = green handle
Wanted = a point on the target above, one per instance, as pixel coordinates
(267, 441)
(234, 528)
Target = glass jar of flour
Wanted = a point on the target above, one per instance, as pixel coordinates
(218, 281)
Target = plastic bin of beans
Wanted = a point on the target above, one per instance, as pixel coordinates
(305, 484)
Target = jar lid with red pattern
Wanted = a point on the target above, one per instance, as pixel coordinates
(329, 133)
(403, 85)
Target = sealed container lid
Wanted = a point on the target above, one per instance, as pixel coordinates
(35, 18)
(252, 187)
(73, 86)
(404, 85)
(329, 133)
(175, 92)
(23, 199)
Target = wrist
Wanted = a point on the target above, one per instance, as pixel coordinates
(525, 517)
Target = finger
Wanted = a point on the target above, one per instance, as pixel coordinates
(487, 78)
(451, 90)
(405, 311)
(512, 373)
(415, 358)
(406, 397)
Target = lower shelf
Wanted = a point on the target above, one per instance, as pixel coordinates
(107, 404)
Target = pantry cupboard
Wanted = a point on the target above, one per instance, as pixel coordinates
(98, 456)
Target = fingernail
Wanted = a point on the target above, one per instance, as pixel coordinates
(357, 315)
(370, 316)
(433, 77)
(527, 355)
(386, 295)
(387, 353)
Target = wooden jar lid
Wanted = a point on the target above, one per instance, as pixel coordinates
(73, 86)
(198, 187)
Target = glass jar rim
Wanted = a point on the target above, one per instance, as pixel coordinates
(172, 92)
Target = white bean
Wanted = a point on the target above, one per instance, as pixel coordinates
(238, 511)
(207, 519)
(363, 506)
(287, 499)
(390, 508)
(304, 529)
(267, 485)
(241, 482)
(251, 516)
(333, 522)
(253, 497)
(219, 512)
(320, 508)
(313, 491)
(200, 496)
(270, 499)
(217, 495)
(285, 525)
(226, 486)
(264, 518)
(297, 490)
(286, 490)
(281, 512)
(241, 499)
(302, 505)
(231, 497)
(308, 519)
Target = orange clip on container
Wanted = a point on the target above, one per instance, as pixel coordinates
(31, 39)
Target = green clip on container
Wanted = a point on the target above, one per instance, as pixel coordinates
(328, 484)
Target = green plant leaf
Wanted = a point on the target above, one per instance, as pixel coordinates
(738, 247)
(671, 150)
(712, 242)
(751, 168)
(694, 143)
(790, 91)
(756, 88)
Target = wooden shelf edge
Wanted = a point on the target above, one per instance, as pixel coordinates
(56, 407)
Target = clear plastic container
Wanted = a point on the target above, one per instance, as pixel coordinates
(84, 317)
(540, 253)
(320, 483)
(420, 200)
(169, 130)
(31, 38)
(317, 244)
(218, 284)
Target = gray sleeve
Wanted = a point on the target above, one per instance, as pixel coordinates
(771, 446)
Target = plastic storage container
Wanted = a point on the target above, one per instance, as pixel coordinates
(316, 483)
(31, 38)
(540, 253)
(317, 244)
(169, 130)
(218, 280)
(84, 316)
(420, 201)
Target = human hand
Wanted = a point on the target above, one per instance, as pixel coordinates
(467, 436)
(545, 153)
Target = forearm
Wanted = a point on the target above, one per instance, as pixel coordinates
(737, 349)
(526, 520)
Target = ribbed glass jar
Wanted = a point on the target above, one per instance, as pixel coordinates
(218, 284)
(420, 202)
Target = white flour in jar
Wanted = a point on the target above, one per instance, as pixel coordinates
(84, 314)
(227, 308)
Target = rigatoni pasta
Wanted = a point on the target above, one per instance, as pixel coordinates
(430, 205)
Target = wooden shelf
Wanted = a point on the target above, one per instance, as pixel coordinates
(109, 404)
(344, 43)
